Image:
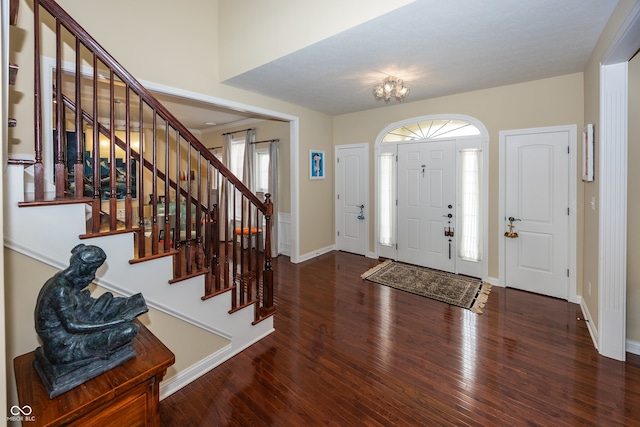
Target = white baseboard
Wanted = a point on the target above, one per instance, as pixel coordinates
(633, 347)
(195, 371)
(371, 255)
(493, 281)
(318, 252)
(593, 330)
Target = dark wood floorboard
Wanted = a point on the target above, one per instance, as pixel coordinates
(347, 352)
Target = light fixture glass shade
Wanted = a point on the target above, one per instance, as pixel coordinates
(390, 87)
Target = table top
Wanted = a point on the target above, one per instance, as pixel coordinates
(152, 359)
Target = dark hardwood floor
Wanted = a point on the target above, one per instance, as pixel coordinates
(347, 352)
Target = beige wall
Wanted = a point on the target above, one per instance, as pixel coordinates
(279, 27)
(25, 276)
(633, 205)
(549, 102)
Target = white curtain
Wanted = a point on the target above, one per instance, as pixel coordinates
(248, 169)
(470, 182)
(273, 190)
(225, 201)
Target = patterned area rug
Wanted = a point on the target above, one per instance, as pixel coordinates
(462, 291)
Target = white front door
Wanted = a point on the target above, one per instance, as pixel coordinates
(352, 197)
(426, 204)
(537, 202)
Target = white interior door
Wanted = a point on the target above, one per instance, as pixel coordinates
(426, 204)
(352, 198)
(537, 198)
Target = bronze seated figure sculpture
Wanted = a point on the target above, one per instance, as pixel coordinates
(82, 336)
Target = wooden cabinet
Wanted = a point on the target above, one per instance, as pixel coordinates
(127, 395)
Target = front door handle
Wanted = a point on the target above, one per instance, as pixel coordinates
(361, 216)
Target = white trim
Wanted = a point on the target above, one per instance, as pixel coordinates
(619, 51)
(633, 347)
(198, 369)
(572, 202)
(193, 372)
(612, 225)
(316, 253)
(494, 281)
(591, 327)
(365, 146)
(48, 67)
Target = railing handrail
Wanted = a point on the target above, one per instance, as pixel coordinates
(72, 26)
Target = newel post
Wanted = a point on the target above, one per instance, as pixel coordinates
(267, 282)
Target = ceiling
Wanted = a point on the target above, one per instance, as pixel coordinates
(439, 48)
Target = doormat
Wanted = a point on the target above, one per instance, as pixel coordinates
(462, 291)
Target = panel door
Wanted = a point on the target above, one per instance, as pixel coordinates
(426, 204)
(351, 199)
(537, 188)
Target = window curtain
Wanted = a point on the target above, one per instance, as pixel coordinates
(273, 190)
(470, 167)
(248, 169)
(225, 202)
(248, 174)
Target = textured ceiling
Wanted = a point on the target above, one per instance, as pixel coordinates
(439, 48)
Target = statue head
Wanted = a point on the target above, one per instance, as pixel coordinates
(85, 260)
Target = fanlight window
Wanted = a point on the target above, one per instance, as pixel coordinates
(431, 129)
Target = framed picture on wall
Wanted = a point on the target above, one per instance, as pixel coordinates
(587, 153)
(316, 164)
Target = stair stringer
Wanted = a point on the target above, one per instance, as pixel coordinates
(48, 233)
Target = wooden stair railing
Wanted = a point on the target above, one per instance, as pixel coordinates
(198, 211)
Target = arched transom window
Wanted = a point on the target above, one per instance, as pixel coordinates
(431, 129)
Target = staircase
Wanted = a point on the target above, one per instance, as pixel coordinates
(124, 174)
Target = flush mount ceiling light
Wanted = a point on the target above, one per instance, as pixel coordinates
(391, 87)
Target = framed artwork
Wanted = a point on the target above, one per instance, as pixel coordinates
(316, 164)
(587, 153)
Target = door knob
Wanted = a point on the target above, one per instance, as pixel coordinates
(447, 216)
(511, 234)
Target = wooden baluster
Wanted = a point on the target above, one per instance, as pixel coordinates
(188, 203)
(78, 164)
(199, 220)
(225, 225)
(154, 186)
(38, 167)
(95, 204)
(267, 275)
(140, 183)
(60, 174)
(128, 198)
(113, 196)
(215, 228)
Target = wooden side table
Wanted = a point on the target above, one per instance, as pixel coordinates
(127, 395)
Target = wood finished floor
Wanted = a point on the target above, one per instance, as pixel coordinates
(347, 352)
